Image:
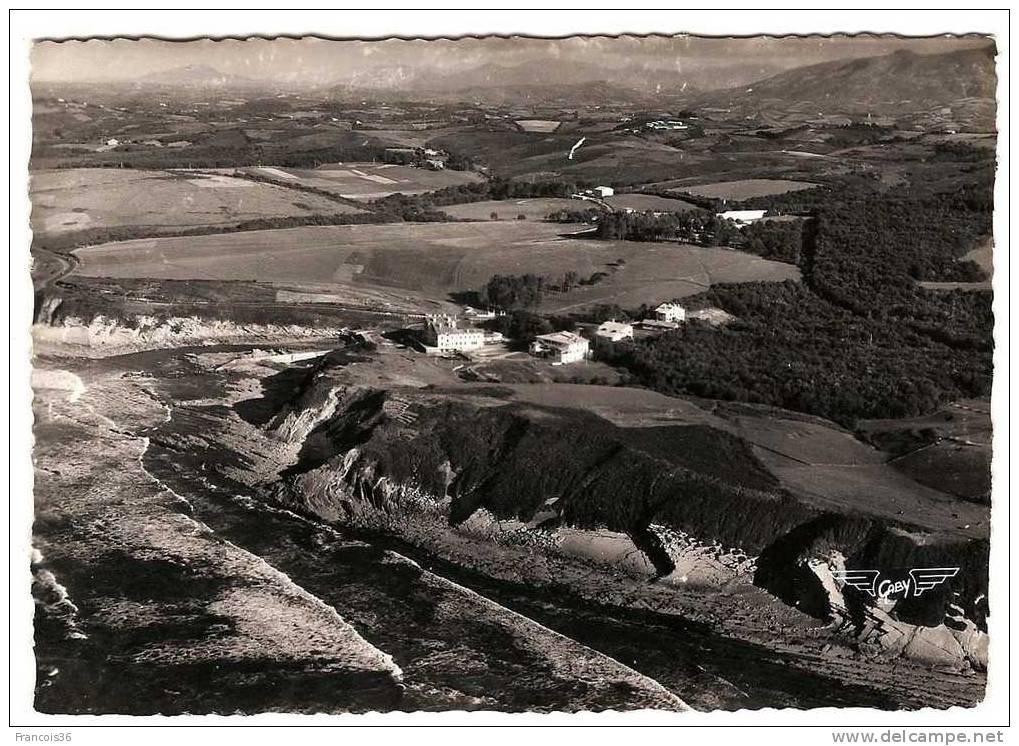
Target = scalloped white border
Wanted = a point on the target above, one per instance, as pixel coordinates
(379, 22)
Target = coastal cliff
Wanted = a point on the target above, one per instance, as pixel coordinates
(530, 492)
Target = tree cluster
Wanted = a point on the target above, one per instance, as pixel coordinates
(858, 338)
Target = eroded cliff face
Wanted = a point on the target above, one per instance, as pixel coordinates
(101, 335)
(532, 489)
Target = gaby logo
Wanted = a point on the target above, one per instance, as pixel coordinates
(920, 579)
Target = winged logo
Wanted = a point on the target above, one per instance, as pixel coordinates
(921, 579)
(925, 578)
(863, 580)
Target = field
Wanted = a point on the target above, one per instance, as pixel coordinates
(828, 467)
(949, 450)
(537, 208)
(813, 458)
(604, 157)
(367, 180)
(437, 259)
(648, 203)
(75, 199)
(747, 188)
(537, 125)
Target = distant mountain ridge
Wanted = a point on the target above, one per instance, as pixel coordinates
(197, 76)
(895, 84)
(890, 84)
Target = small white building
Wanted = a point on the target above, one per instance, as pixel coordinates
(478, 315)
(445, 334)
(615, 331)
(670, 312)
(603, 191)
(113, 142)
(742, 217)
(561, 347)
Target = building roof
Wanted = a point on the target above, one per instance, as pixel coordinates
(610, 327)
(742, 215)
(560, 338)
(446, 324)
(668, 307)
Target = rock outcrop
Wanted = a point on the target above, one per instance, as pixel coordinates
(681, 505)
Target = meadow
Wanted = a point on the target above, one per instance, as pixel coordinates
(367, 180)
(536, 208)
(648, 203)
(746, 188)
(537, 125)
(436, 259)
(75, 199)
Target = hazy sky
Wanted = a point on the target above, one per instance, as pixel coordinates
(700, 62)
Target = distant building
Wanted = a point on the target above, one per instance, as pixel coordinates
(444, 333)
(597, 193)
(561, 347)
(615, 331)
(670, 312)
(742, 217)
(666, 124)
(113, 142)
(479, 315)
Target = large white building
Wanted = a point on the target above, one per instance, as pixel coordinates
(742, 217)
(615, 331)
(561, 347)
(671, 312)
(444, 333)
(603, 191)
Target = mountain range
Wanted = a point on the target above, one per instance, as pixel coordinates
(887, 85)
(198, 77)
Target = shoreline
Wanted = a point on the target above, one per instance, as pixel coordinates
(611, 684)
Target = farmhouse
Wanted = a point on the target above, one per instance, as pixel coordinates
(742, 217)
(561, 347)
(598, 192)
(444, 333)
(615, 331)
(670, 312)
